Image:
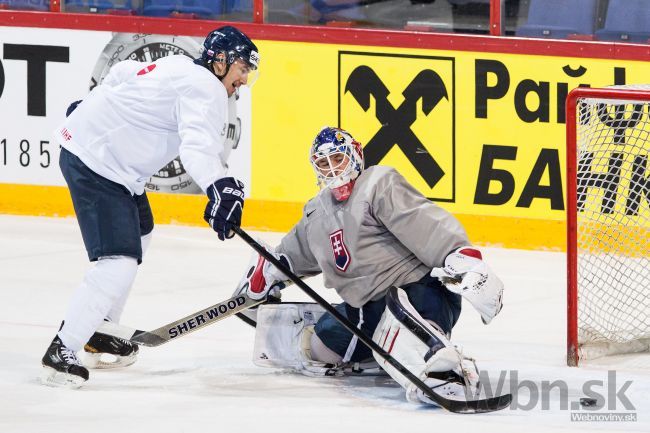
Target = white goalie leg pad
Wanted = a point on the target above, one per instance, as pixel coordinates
(423, 349)
(283, 338)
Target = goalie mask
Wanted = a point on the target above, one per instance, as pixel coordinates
(337, 159)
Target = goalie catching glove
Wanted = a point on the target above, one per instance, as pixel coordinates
(467, 274)
(262, 278)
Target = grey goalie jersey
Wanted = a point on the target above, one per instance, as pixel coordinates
(385, 234)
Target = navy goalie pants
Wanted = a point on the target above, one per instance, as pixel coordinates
(428, 296)
(111, 219)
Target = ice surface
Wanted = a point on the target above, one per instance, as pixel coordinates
(206, 380)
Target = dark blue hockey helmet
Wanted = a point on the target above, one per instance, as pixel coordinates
(233, 44)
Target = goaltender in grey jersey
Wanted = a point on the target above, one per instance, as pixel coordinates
(400, 263)
(385, 234)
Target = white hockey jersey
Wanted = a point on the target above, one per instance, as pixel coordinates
(385, 234)
(145, 114)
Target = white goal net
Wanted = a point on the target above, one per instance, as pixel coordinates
(612, 223)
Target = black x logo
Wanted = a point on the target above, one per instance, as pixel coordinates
(396, 122)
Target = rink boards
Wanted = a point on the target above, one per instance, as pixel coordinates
(480, 132)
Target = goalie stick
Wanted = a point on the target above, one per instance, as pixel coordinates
(488, 404)
(184, 326)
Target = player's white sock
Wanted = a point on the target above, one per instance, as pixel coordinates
(103, 285)
(115, 313)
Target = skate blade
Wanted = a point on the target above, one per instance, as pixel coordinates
(107, 361)
(58, 379)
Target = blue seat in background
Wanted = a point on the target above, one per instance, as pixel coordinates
(558, 19)
(324, 12)
(99, 6)
(627, 21)
(203, 8)
(199, 8)
(158, 8)
(33, 5)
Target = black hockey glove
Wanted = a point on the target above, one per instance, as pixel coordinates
(72, 107)
(225, 205)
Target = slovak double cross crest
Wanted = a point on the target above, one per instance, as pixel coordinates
(342, 257)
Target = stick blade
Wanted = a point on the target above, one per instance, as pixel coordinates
(485, 405)
(142, 338)
(148, 339)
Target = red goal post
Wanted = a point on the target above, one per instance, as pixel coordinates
(608, 221)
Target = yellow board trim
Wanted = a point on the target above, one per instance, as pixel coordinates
(279, 216)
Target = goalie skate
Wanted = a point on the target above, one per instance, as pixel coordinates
(103, 351)
(454, 381)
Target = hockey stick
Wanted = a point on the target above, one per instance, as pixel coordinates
(489, 404)
(250, 321)
(184, 326)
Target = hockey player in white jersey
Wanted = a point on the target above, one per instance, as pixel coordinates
(137, 120)
(399, 262)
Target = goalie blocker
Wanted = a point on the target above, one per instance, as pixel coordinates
(285, 339)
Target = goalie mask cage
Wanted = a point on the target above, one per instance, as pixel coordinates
(608, 221)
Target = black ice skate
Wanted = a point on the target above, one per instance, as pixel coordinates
(62, 367)
(103, 351)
